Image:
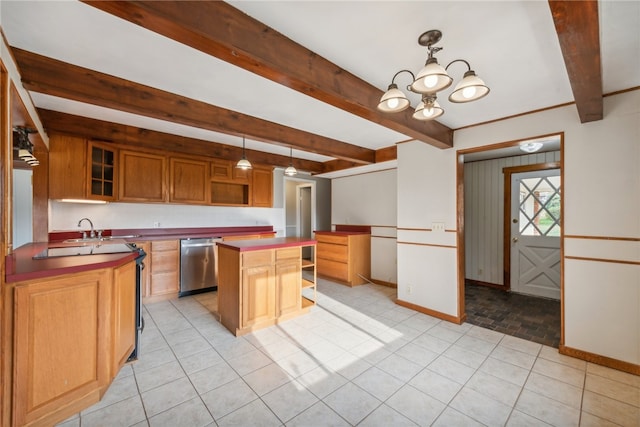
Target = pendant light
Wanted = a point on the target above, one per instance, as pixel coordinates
(243, 163)
(290, 170)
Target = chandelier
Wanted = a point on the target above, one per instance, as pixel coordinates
(431, 79)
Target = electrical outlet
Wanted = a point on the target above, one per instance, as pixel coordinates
(437, 226)
(156, 224)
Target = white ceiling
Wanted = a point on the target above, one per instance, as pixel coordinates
(512, 45)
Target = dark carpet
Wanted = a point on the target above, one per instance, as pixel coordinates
(531, 318)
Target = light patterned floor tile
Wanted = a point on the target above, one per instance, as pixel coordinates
(322, 381)
(399, 367)
(561, 372)
(481, 407)
(419, 407)
(268, 378)
(167, 396)
(450, 417)
(124, 413)
(191, 413)
(547, 410)
(352, 403)
(610, 409)
(386, 416)
(228, 397)
(554, 389)
(255, 413)
(319, 411)
(289, 400)
(451, 369)
(435, 385)
(520, 419)
(378, 383)
(613, 389)
(501, 390)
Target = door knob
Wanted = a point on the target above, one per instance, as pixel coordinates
(515, 239)
(515, 220)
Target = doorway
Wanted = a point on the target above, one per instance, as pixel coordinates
(300, 208)
(504, 284)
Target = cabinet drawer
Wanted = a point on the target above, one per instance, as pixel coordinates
(164, 283)
(257, 258)
(333, 252)
(164, 261)
(335, 269)
(332, 238)
(165, 245)
(288, 253)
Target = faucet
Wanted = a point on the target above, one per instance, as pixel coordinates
(84, 233)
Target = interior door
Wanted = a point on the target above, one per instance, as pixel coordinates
(535, 233)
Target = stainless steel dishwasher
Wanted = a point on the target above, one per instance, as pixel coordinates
(198, 266)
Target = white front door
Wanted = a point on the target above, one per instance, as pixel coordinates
(535, 233)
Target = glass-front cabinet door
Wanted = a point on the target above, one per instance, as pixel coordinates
(102, 171)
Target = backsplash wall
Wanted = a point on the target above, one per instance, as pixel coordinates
(65, 216)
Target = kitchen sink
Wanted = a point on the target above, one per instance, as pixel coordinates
(100, 239)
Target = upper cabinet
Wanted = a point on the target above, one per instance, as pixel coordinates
(142, 177)
(114, 172)
(188, 181)
(102, 172)
(66, 167)
(262, 193)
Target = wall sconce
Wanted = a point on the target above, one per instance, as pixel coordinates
(430, 79)
(24, 145)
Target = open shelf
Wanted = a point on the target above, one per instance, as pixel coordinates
(307, 283)
(306, 263)
(307, 302)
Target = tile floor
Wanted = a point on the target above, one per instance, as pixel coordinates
(523, 316)
(356, 359)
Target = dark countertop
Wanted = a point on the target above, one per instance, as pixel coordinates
(260, 244)
(20, 265)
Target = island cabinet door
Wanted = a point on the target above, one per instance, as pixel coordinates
(288, 281)
(61, 346)
(258, 295)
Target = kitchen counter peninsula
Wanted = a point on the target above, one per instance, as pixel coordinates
(261, 283)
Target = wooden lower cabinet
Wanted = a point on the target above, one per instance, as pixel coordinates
(346, 258)
(163, 262)
(288, 275)
(259, 288)
(258, 296)
(72, 334)
(123, 309)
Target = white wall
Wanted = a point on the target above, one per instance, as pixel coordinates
(427, 273)
(22, 207)
(370, 199)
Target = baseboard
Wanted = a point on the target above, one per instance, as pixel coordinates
(430, 312)
(383, 283)
(600, 360)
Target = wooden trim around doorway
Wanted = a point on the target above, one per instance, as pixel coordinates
(434, 313)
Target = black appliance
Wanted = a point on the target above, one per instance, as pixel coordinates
(139, 319)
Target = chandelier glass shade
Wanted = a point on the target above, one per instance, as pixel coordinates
(431, 79)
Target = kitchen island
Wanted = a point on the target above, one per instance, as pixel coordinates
(260, 282)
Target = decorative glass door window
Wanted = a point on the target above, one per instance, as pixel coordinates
(540, 206)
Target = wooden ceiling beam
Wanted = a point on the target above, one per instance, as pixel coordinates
(135, 137)
(57, 78)
(220, 30)
(578, 31)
